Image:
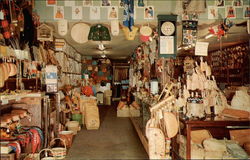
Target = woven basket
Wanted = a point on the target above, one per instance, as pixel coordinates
(59, 152)
(46, 158)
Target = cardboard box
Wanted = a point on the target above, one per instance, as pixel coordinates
(124, 112)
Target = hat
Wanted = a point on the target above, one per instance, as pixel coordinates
(145, 31)
(80, 32)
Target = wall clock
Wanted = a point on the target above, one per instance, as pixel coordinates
(167, 35)
(167, 28)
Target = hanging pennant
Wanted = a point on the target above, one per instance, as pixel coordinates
(62, 25)
(113, 12)
(76, 12)
(115, 27)
(128, 14)
(58, 12)
(95, 13)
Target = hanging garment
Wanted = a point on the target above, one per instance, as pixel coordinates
(99, 33)
(130, 34)
(62, 25)
(141, 3)
(115, 27)
(128, 14)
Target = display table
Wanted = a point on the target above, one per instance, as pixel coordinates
(214, 123)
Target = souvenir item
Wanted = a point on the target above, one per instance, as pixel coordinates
(130, 35)
(44, 33)
(62, 25)
(79, 32)
(145, 31)
(128, 14)
(171, 124)
(115, 27)
(99, 33)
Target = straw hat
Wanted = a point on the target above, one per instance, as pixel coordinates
(80, 32)
(145, 31)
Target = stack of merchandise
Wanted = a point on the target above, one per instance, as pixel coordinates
(92, 120)
(204, 146)
(124, 110)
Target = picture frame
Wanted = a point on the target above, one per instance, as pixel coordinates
(213, 12)
(95, 13)
(237, 3)
(106, 3)
(51, 2)
(149, 12)
(58, 12)
(230, 12)
(220, 3)
(44, 33)
(77, 12)
(246, 12)
(87, 3)
(121, 4)
(113, 12)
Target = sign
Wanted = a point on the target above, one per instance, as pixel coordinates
(166, 44)
(201, 48)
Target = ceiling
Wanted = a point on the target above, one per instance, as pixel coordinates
(120, 48)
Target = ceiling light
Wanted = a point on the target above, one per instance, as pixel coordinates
(209, 36)
(103, 56)
(101, 47)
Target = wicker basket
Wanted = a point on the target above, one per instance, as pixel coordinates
(46, 158)
(58, 152)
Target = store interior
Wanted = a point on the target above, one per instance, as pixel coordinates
(124, 79)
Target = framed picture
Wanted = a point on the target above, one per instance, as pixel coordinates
(87, 3)
(77, 12)
(246, 11)
(113, 12)
(149, 12)
(220, 3)
(121, 4)
(58, 12)
(105, 3)
(230, 12)
(95, 13)
(212, 12)
(51, 88)
(69, 3)
(237, 3)
(44, 33)
(140, 3)
(51, 2)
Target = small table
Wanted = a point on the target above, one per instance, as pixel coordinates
(211, 122)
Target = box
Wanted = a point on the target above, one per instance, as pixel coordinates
(107, 93)
(134, 112)
(124, 112)
(99, 97)
(10, 156)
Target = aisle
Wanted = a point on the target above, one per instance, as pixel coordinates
(116, 139)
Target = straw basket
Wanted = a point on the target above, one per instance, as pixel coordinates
(46, 157)
(59, 152)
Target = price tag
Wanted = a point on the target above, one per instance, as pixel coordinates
(5, 101)
(18, 98)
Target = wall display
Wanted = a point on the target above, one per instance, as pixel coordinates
(201, 48)
(246, 11)
(189, 32)
(79, 32)
(237, 3)
(115, 27)
(44, 33)
(220, 3)
(51, 2)
(230, 12)
(149, 12)
(76, 12)
(69, 3)
(167, 33)
(113, 12)
(105, 3)
(140, 3)
(212, 12)
(58, 12)
(95, 13)
(62, 27)
(87, 3)
(121, 4)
